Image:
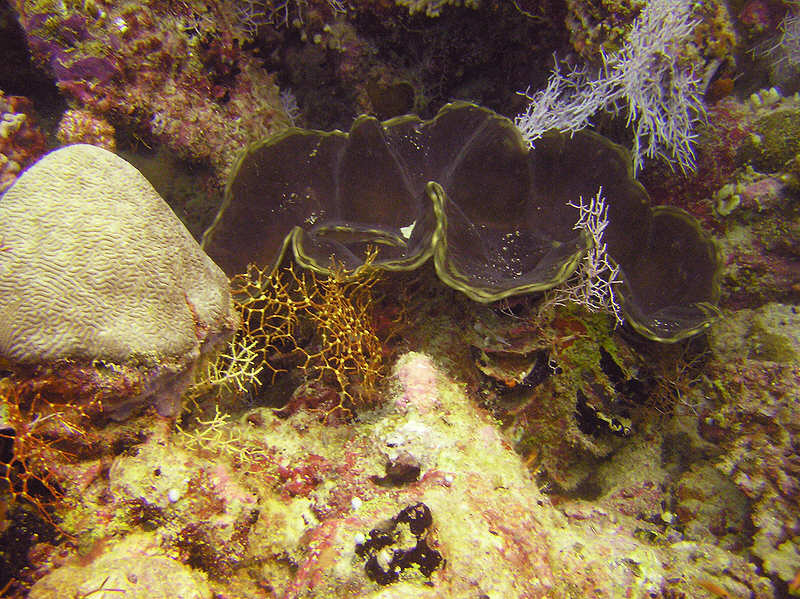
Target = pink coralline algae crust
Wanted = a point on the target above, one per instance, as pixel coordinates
(21, 141)
(761, 245)
(760, 16)
(225, 486)
(638, 499)
(321, 554)
(163, 72)
(418, 379)
(301, 479)
(758, 276)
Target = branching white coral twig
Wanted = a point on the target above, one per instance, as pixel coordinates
(592, 284)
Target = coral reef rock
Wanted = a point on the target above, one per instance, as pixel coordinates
(96, 270)
(21, 141)
(135, 567)
(169, 71)
(754, 425)
(269, 504)
(82, 126)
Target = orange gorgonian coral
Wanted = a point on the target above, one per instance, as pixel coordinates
(322, 323)
(32, 434)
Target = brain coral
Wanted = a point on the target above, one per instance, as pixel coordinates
(95, 266)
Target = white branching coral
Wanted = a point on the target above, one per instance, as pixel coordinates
(592, 284)
(650, 80)
(433, 8)
(253, 14)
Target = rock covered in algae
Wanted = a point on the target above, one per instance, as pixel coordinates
(775, 141)
(760, 240)
(134, 568)
(288, 505)
(132, 65)
(498, 218)
(754, 425)
(96, 267)
(21, 141)
(769, 333)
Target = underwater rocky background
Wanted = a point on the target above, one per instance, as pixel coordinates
(292, 433)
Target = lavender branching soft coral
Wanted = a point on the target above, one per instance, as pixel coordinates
(784, 51)
(788, 46)
(646, 80)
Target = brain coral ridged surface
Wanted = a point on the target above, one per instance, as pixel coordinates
(95, 265)
(498, 218)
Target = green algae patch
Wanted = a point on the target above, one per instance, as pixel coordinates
(770, 333)
(775, 142)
